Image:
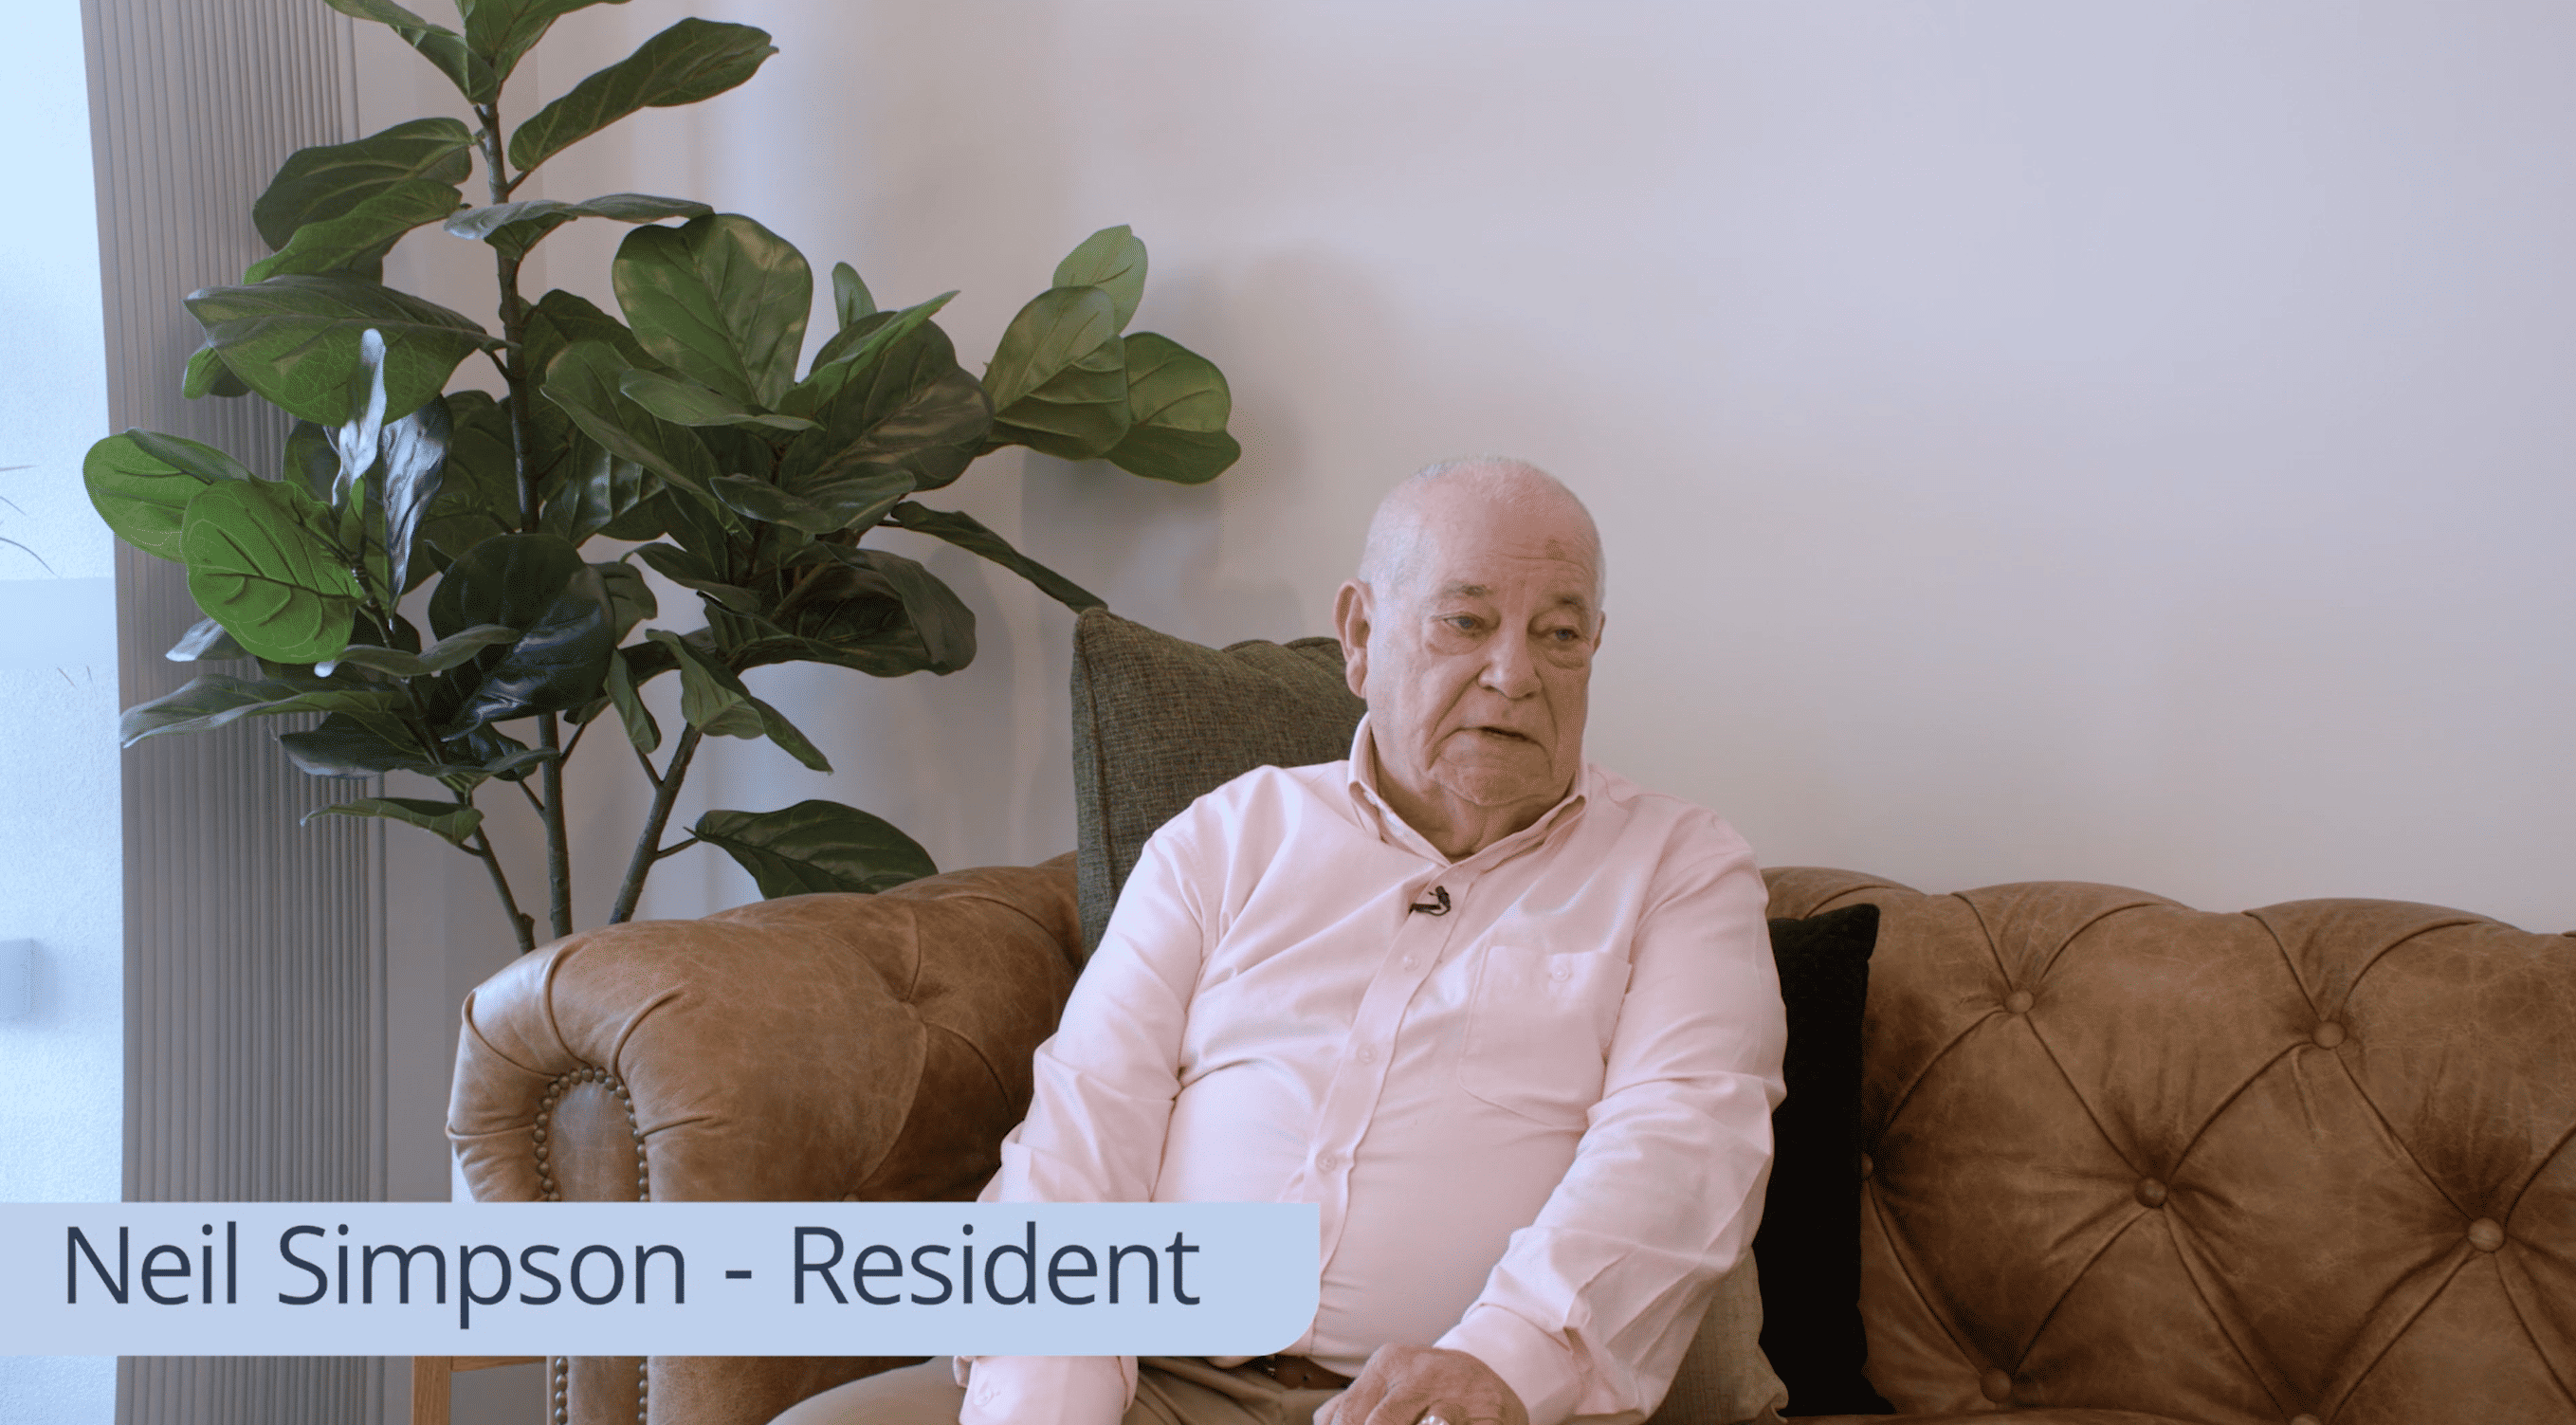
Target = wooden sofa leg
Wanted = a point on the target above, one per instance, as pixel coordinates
(429, 1389)
(432, 1382)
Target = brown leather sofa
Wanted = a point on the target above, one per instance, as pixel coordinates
(2127, 1161)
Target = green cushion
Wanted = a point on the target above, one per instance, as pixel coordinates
(1159, 722)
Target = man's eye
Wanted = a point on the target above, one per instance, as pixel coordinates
(1464, 623)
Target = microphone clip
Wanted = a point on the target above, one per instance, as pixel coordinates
(1437, 905)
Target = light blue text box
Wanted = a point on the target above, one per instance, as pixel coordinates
(718, 1279)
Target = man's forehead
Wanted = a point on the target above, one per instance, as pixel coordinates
(1571, 594)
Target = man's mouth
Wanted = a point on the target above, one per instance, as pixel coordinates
(1503, 732)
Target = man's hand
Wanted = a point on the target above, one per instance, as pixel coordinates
(1402, 1384)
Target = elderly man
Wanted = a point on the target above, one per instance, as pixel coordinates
(1507, 1018)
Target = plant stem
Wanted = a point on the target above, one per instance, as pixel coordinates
(522, 382)
(558, 839)
(520, 924)
(648, 845)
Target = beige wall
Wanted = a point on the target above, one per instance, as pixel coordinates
(2123, 442)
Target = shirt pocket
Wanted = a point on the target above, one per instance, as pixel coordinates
(1538, 1031)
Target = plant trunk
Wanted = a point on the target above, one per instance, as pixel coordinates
(648, 847)
(522, 383)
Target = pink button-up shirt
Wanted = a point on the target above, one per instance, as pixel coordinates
(1537, 1124)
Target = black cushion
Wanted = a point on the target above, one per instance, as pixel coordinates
(1807, 1250)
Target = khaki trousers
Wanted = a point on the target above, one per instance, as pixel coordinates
(1170, 1390)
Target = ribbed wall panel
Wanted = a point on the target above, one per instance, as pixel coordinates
(254, 947)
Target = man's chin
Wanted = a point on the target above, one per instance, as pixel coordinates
(1500, 781)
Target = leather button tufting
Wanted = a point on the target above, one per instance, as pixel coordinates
(2329, 1034)
(2485, 1235)
(1867, 1165)
(2018, 1002)
(1997, 1386)
(2151, 1193)
(2305, 1419)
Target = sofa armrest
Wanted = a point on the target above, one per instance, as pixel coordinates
(810, 1048)
(814, 1047)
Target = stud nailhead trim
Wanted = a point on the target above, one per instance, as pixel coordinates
(540, 1133)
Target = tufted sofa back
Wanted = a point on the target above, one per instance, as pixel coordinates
(2307, 1163)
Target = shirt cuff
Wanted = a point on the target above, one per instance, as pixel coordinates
(1045, 1390)
(1536, 1364)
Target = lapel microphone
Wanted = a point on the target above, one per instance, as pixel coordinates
(1437, 905)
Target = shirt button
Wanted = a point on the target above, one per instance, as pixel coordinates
(1327, 1161)
(1408, 962)
(1560, 972)
(1368, 1056)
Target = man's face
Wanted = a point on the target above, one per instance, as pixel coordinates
(1477, 664)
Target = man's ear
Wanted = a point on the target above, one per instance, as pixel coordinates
(1351, 626)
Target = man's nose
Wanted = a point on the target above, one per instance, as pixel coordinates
(1510, 668)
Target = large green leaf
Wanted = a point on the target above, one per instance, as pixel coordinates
(687, 403)
(318, 184)
(510, 580)
(945, 625)
(210, 700)
(478, 486)
(890, 652)
(453, 820)
(690, 570)
(207, 375)
(641, 729)
(346, 745)
(560, 662)
(436, 658)
(503, 31)
(1058, 382)
(516, 227)
(536, 583)
(716, 703)
(908, 407)
(692, 60)
(584, 383)
(355, 442)
(310, 459)
(1181, 403)
(968, 533)
(261, 563)
(559, 319)
(816, 846)
(856, 350)
(630, 599)
(1113, 260)
(295, 340)
(195, 457)
(850, 297)
(144, 496)
(441, 46)
(719, 299)
(205, 641)
(598, 491)
(355, 242)
(856, 504)
(847, 615)
(411, 463)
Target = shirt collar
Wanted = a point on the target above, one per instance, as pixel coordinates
(1372, 808)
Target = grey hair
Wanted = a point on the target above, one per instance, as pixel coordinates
(1393, 551)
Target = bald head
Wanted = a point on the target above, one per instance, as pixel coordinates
(1401, 534)
(1470, 630)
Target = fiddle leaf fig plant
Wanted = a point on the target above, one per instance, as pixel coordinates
(450, 582)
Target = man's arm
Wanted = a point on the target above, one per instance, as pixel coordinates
(1592, 1306)
(1105, 1082)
